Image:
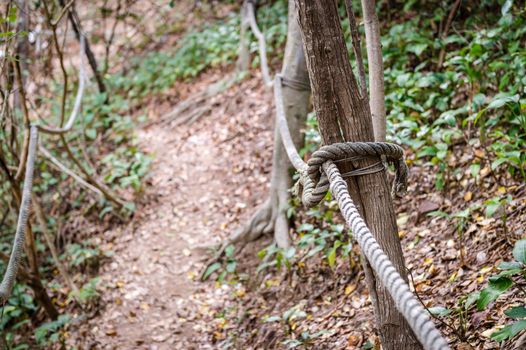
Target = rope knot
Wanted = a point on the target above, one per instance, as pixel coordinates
(315, 183)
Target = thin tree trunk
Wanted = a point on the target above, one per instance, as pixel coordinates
(443, 34)
(272, 215)
(75, 24)
(243, 57)
(376, 68)
(344, 116)
(296, 104)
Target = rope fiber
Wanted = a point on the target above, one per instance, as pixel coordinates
(18, 244)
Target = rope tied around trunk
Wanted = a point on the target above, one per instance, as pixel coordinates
(315, 183)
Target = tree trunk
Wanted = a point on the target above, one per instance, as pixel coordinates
(376, 68)
(344, 116)
(272, 215)
(243, 54)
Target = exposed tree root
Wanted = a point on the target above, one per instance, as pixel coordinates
(270, 217)
(186, 112)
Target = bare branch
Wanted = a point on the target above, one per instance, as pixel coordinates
(68, 171)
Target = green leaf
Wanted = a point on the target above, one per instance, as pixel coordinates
(331, 257)
(229, 251)
(315, 250)
(495, 164)
(417, 49)
(231, 266)
(91, 134)
(306, 227)
(368, 345)
(506, 7)
(500, 100)
(474, 169)
(516, 312)
(492, 206)
(495, 288)
(509, 331)
(427, 151)
(471, 299)
(211, 269)
(519, 251)
(272, 319)
(476, 50)
(510, 265)
(290, 253)
(439, 311)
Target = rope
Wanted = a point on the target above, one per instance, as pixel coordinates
(296, 84)
(321, 173)
(358, 150)
(18, 244)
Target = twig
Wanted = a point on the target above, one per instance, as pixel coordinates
(54, 254)
(68, 171)
(62, 13)
(61, 62)
(25, 146)
(447, 325)
(444, 33)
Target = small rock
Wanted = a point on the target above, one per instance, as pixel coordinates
(481, 257)
(427, 206)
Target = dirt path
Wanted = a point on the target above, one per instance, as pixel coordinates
(198, 194)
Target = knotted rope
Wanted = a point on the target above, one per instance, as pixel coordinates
(314, 181)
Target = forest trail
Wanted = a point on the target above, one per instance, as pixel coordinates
(152, 296)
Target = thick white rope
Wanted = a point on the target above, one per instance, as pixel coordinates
(18, 243)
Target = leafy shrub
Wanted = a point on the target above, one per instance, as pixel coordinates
(475, 98)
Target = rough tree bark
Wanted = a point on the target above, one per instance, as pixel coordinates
(272, 215)
(376, 68)
(345, 116)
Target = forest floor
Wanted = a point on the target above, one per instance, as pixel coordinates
(206, 180)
